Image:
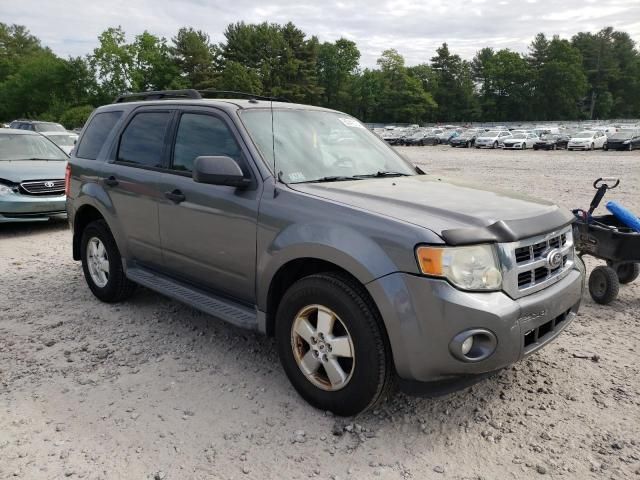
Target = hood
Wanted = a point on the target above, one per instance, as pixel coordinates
(17, 171)
(457, 211)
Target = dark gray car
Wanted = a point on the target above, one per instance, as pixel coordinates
(298, 222)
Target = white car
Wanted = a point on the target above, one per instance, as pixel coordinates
(520, 141)
(587, 140)
(492, 138)
(65, 140)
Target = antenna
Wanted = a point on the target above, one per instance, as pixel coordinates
(276, 176)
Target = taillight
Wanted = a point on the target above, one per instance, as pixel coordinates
(67, 180)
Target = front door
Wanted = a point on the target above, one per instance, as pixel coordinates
(208, 232)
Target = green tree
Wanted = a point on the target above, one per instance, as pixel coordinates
(507, 94)
(16, 45)
(280, 55)
(454, 91)
(559, 84)
(113, 63)
(337, 67)
(195, 58)
(76, 117)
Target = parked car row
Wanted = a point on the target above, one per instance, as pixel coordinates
(625, 137)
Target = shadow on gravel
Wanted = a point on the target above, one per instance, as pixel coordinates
(29, 228)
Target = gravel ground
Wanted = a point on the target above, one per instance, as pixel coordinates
(151, 389)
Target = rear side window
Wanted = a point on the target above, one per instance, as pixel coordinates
(96, 134)
(202, 135)
(142, 142)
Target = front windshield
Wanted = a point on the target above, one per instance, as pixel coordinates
(548, 136)
(63, 140)
(492, 133)
(28, 147)
(48, 127)
(519, 135)
(315, 145)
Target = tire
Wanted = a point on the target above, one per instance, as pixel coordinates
(630, 147)
(555, 147)
(627, 272)
(604, 285)
(468, 145)
(370, 373)
(605, 147)
(495, 145)
(117, 286)
(593, 147)
(477, 147)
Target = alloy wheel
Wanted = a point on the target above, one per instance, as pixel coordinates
(98, 262)
(323, 347)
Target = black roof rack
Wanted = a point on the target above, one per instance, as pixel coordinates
(192, 94)
(234, 94)
(158, 95)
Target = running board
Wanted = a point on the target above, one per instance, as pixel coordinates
(227, 310)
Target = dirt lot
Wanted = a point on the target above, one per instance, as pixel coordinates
(151, 389)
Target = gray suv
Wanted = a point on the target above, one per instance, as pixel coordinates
(300, 223)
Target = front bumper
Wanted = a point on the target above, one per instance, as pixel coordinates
(508, 146)
(26, 208)
(423, 315)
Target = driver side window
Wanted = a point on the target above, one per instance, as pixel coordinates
(203, 135)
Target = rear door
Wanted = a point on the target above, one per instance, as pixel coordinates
(131, 181)
(209, 235)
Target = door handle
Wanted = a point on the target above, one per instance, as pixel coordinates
(176, 196)
(111, 181)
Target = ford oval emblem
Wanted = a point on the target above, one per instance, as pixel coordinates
(554, 259)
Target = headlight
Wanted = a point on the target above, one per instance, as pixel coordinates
(474, 267)
(4, 190)
(626, 142)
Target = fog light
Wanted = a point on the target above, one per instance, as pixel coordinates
(473, 345)
(466, 345)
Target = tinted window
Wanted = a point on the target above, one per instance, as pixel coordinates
(143, 140)
(96, 134)
(202, 135)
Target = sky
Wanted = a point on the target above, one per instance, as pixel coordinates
(414, 28)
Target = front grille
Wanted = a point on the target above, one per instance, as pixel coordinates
(43, 187)
(527, 268)
(541, 333)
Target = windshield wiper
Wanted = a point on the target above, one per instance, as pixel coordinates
(383, 173)
(332, 178)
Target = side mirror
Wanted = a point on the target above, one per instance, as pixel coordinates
(219, 171)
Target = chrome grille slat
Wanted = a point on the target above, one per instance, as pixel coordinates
(525, 267)
(40, 188)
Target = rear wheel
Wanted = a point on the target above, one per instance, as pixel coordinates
(495, 144)
(332, 344)
(102, 264)
(604, 285)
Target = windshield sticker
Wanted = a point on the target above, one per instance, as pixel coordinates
(297, 177)
(350, 122)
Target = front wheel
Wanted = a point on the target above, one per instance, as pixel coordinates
(630, 147)
(495, 145)
(593, 146)
(604, 285)
(332, 344)
(102, 264)
(605, 147)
